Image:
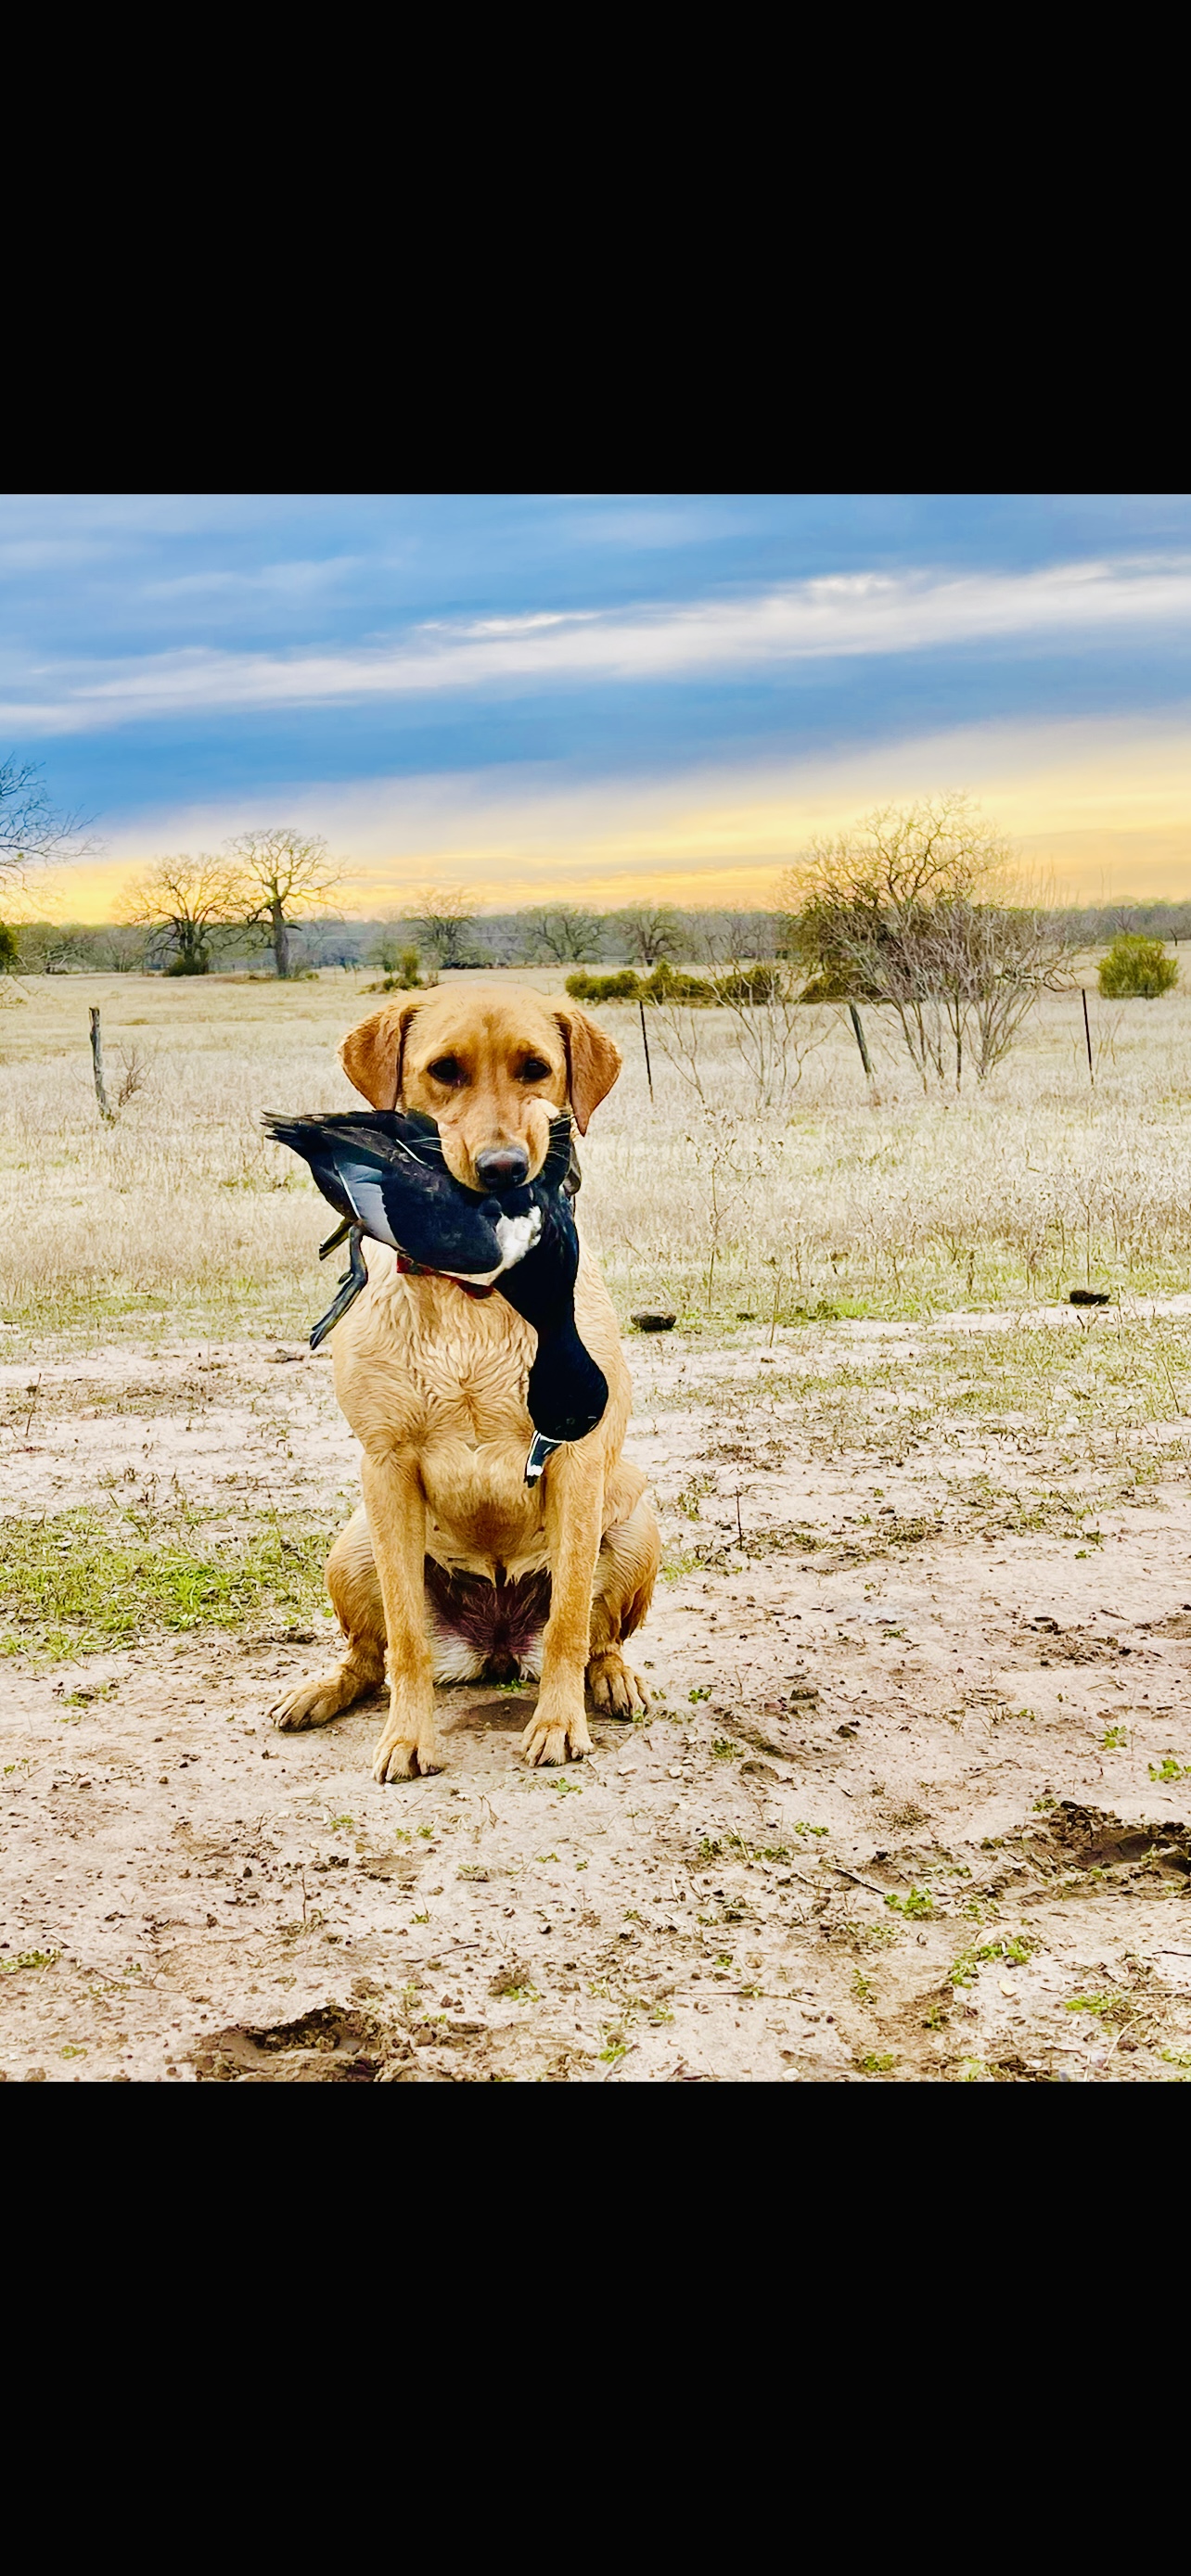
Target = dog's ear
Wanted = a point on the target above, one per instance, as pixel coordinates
(372, 1055)
(593, 1062)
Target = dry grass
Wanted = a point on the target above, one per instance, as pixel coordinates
(837, 1204)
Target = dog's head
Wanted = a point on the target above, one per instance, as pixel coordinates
(492, 1067)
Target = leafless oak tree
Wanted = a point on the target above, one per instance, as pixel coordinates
(650, 931)
(560, 934)
(285, 875)
(442, 919)
(30, 828)
(180, 901)
(902, 911)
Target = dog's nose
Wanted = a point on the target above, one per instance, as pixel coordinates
(502, 1167)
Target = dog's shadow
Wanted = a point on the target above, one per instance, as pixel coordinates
(497, 1710)
(504, 1709)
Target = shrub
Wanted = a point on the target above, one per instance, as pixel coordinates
(668, 984)
(624, 986)
(749, 984)
(1136, 968)
(8, 950)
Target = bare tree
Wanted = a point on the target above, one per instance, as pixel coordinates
(959, 976)
(442, 918)
(285, 876)
(898, 860)
(650, 931)
(900, 912)
(51, 947)
(30, 828)
(117, 949)
(181, 901)
(560, 934)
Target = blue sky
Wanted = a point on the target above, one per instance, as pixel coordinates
(595, 693)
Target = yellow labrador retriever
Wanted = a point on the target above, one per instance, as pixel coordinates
(455, 1568)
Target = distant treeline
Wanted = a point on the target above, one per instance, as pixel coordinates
(561, 935)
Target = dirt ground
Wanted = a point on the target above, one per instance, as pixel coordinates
(911, 1805)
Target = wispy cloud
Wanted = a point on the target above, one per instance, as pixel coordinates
(287, 580)
(840, 615)
(1093, 805)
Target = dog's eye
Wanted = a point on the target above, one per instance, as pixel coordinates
(447, 1069)
(533, 1069)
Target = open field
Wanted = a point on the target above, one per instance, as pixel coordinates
(914, 1799)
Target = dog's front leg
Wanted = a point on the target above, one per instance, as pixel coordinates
(396, 1509)
(557, 1731)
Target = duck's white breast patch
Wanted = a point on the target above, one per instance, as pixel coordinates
(517, 1235)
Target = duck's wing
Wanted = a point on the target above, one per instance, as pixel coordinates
(386, 1179)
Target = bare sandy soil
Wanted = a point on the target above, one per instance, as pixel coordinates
(910, 1805)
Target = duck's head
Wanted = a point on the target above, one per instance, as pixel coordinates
(492, 1068)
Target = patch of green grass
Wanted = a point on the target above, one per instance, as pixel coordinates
(78, 1582)
(1112, 1740)
(876, 2065)
(30, 1959)
(1012, 1952)
(700, 1692)
(1170, 1768)
(683, 1561)
(1106, 2007)
(918, 1902)
(724, 1750)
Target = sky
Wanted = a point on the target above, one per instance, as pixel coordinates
(600, 697)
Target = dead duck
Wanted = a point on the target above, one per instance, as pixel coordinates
(386, 1176)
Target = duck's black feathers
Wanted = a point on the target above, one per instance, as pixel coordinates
(387, 1177)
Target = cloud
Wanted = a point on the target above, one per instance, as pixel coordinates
(283, 579)
(836, 616)
(1098, 807)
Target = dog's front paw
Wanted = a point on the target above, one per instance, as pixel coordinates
(556, 1734)
(406, 1751)
(615, 1688)
(311, 1704)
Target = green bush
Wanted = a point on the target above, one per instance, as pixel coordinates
(669, 984)
(624, 986)
(401, 969)
(1136, 967)
(8, 950)
(749, 984)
